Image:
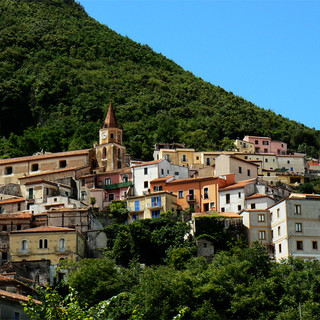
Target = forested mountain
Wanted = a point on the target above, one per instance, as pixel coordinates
(59, 68)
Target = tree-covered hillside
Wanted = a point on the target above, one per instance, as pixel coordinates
(59, 68)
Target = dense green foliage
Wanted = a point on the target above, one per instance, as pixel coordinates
(59, 67)
(244, 284)
(148, 241)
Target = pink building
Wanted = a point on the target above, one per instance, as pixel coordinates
(106, 187)
(266, 145)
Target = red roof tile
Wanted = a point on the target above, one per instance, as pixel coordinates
(45, 156)
(44, 229)
(258, 195)
(12, 200)
(148, 163)
(18, 215)
(238, 185)
(15, 297)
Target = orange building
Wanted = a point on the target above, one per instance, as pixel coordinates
(198, 194)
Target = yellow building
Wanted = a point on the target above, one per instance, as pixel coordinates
(46, 243)
(151, 205)
(180, 157)
(244, 146)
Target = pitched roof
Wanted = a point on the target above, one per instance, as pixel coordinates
(258, 195)
(19, 215)
(15, 297)
(111, 120)
(238, 185)
(45, 156)
(164, 179)
(44, 229)
(12, 200)
(188, 180)
(148, 163)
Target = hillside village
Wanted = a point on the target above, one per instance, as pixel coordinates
(51, 203)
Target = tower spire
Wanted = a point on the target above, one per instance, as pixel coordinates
(111, 120)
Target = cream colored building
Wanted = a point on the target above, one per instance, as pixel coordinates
(13, 169)
(257, 225)
(151, 205)
(295, 227)
(47, 243)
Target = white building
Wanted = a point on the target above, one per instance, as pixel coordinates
(142, 174)
(295, 227)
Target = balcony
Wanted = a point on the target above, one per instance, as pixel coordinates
(154, 205)
(191, 198)
(118, 185)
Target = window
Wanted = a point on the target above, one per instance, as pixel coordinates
(83, 182)
(83, 195)
(299, 245)
(208, 161)
(261, 217)
(256, 141)
(62, 163)
(184, 158)
(176, 173)
(288, 161)
(180, 194)
(168, 171)
(228, 198)
(137, 205)
(239, 207)
(31, 193)
(111, 196)
(315, 245)
(155, 202)
(266, 160)
(62, 245)
(167, 157)
(191, 207)
(146, 184)
(298, 227)
(40, 244)
(262, 235)
(8, 170)
(249, 173)
(268, 174)
(278, 213)
(222, 209)
(297, 209)
(4, 227)
(19, 207)
(145, 171)
(16, 315)
(155, 213)
(111, 135)
(212, 204)
(43, 244)
(272, 234)
(265, 143)
(197, 158)
(135, 217)
(279, 231)
(240, 169)
(157, 188)
(162, 171)
(107, 181)
(279, 248)
(206, 193)
(35, 167)
(24, 246)
(191, 194)
(125, 178)
(239, 195)
(253, 205)
(18, 226)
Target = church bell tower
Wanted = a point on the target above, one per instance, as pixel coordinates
(110, 151)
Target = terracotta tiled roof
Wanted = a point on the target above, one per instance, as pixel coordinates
(243, 160)
(45, 156)
(304, 196)
(148, 163)
(238, 185)
(229, 214)
(188, 180)
(44, 229)
(49, 172)
(82, 209)
(12, 200)
(15, 297)
(5, 279)
(163, 179)
(20, 215)
(258, 195)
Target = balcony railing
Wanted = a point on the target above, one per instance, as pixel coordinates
(191, 198)
(118, 185)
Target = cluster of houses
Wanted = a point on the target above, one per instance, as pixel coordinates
(48, 200)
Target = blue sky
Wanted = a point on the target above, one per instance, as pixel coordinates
(264, 51)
